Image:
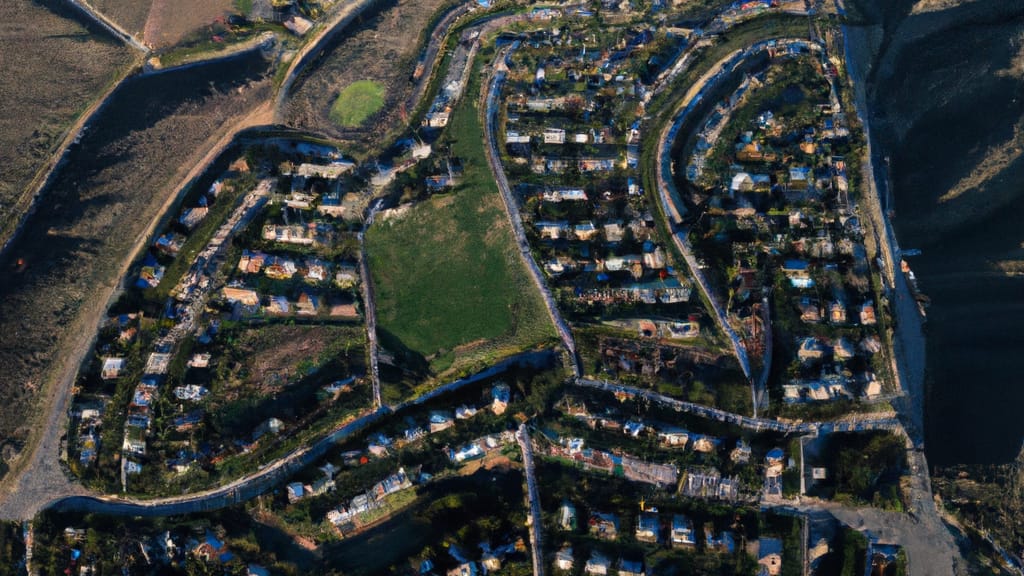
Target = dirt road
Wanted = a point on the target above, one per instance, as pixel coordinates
(37, 476)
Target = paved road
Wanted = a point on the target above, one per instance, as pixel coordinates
(370, 304)
(863, 423)
(512, 207)
(533, 495)
(909, 370)
(668, 194)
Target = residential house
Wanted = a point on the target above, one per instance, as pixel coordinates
(647, 528)
(269, 426)
(567, 517)
(810, 350)
(631, 567)
(552, 230)
(705, 444)
(331, 205)
(810, 311)
(675, 437)
(316, 270)
(470, 451)
(769, 556)
(440, 421)
(308, 304)
(682, 532)
(465, 569)
(614, 231)
(500, 396)
(296, 491)
(244, 296)
(605, 526)
(842, 349)
(741, 453)
(211, 549)
(346, 276)
(169, 243)
(867, 314)
(773, 463)
(191, 217)
(554, 136)
(564, 559)
(112, 368)
(724, 543)
(798, 273)
(837, 312)
(278, 305)
(597, 564)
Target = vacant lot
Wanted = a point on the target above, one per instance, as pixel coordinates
(382, 48)
(163, 23)
(357, 102)
(451, 287)
(170, 21)
(53, 68)
(129, 14)
(153, 132)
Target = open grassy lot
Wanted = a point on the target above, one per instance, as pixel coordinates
(53, 67)
(452, 291)
(381, 47)
(118, 178)
(357, 102)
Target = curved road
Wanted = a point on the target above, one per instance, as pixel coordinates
(533, 496)
(668, 194)
(930, 545)
(923, 532)
(512, 208)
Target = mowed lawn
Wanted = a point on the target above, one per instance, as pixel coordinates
(450, 283)
(357, 102)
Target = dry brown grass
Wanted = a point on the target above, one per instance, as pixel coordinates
(129, 14)
(114, 184)
(170, 21)
(53, 68)
(383, 49)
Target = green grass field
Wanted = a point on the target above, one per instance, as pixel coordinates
(451, 287)
(357, 102)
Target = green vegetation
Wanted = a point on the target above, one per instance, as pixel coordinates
(590, 494)
(111, 544)
(12, 549)
(452, 293)
(357, 102)
(486, 507)
(864, 468)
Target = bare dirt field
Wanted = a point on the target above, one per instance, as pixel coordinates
(58, 273)
(170, 21)
(384, 48)
(52, 68)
